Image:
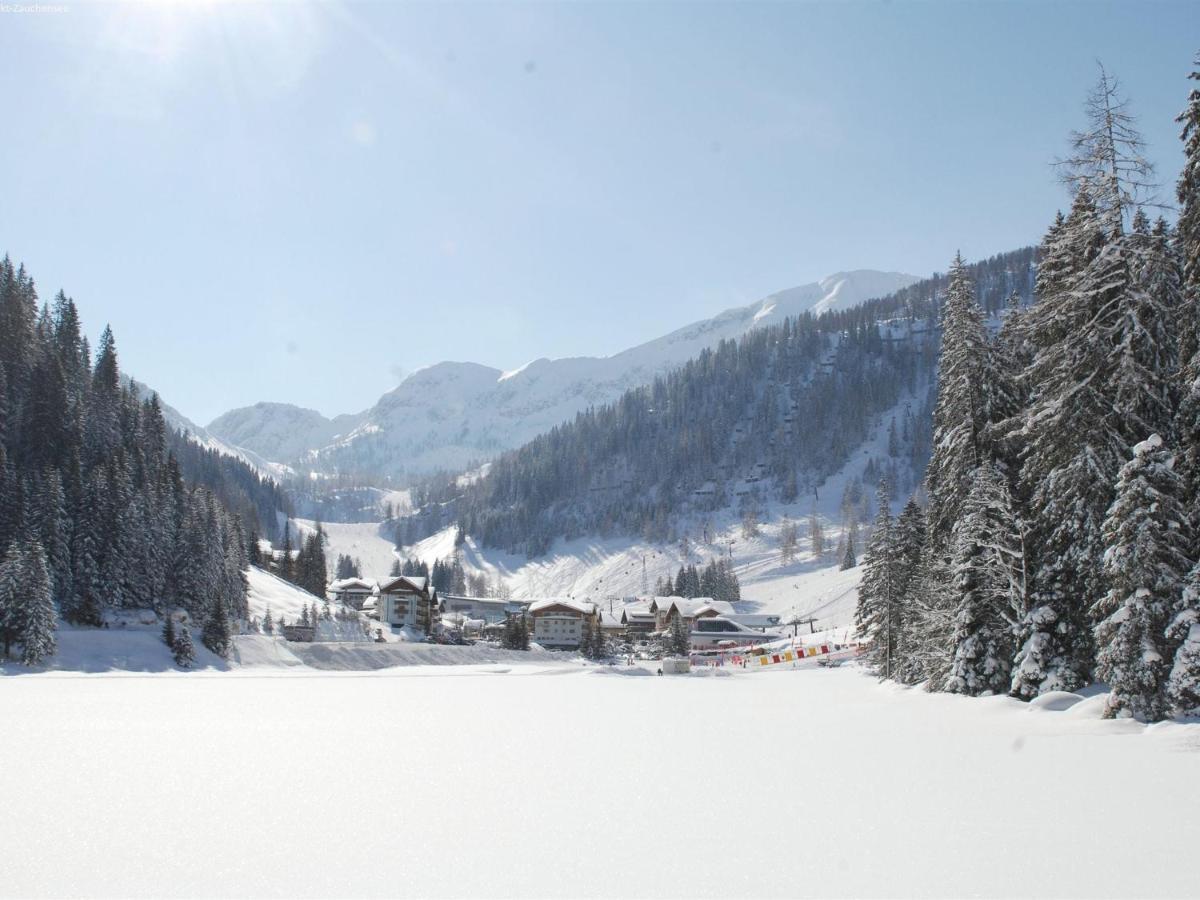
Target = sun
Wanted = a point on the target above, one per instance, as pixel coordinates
(257, 43)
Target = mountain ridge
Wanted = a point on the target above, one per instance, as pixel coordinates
(453, 414)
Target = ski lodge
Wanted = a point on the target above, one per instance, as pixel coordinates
(558, 624)
(407, 601)
(353, 592)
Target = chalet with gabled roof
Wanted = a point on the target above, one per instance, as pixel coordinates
(408, 601)
(353, 592)
(559, 623)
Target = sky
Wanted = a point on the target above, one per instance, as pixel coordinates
(304, 203)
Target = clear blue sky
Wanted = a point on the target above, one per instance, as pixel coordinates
(301, 203)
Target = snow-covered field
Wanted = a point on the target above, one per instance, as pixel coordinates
(472, 783)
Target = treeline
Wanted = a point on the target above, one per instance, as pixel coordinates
(304, 565)
(256, 499)
(91, 492)
(716, 580)
(766, 417)
(1062, 537)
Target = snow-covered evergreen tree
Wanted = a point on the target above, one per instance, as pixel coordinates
(927, 628)
(849, 559)
(1147, 538)
(679, 641)
(878, 614)
(1187, 422)
(12, 574)
(1183, 682)
(182, 649)
(910, 533)
(215, 634)
(1100, 380)
(960, 416)
(30, 613)
(989, 587)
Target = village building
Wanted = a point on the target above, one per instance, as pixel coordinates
(559, 624)
(353, 592)
(696, 608)
(659, 607)
(408, 601)
(666, 609)
(613, 629)
(637, 619)
(491, 610)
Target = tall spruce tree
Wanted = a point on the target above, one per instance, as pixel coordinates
(1187, 232)
(1183, 683)
(215, 634)
(989, 587)
(183, 651)
(878, 615)
(960, 415)
(1147, 538)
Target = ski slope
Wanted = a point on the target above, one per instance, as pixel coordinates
(815, 783)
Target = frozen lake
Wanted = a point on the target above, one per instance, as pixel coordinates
(560, 781)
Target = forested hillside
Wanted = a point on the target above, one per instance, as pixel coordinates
(765, 417)
(1061, 543)
(101, 507)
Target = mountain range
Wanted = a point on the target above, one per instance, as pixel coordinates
(452, 415)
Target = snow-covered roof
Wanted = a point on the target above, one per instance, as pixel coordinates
(695, 606)
(586, 607)
(412, 582)
(482, 601)
(353, 584)
(720, 607)
(657, 603)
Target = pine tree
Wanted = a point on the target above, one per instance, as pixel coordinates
(1147, 538)
(1183, 683)
(38, 618)
(587, 638)
(849, 560)
(268, 625)
(926, 640)
(679, 641)
(599, 644)
(879, 602)
(215, 635)
(1187, 422)
(960, 416)
(168, 631)
(12, 575)
(182, 649)
(285, 556)
(989, 586)
(1108, 381)
(909, 544)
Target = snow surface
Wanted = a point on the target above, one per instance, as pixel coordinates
(475, 782)
(284, 598)
(363, 541)
(454, 414)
